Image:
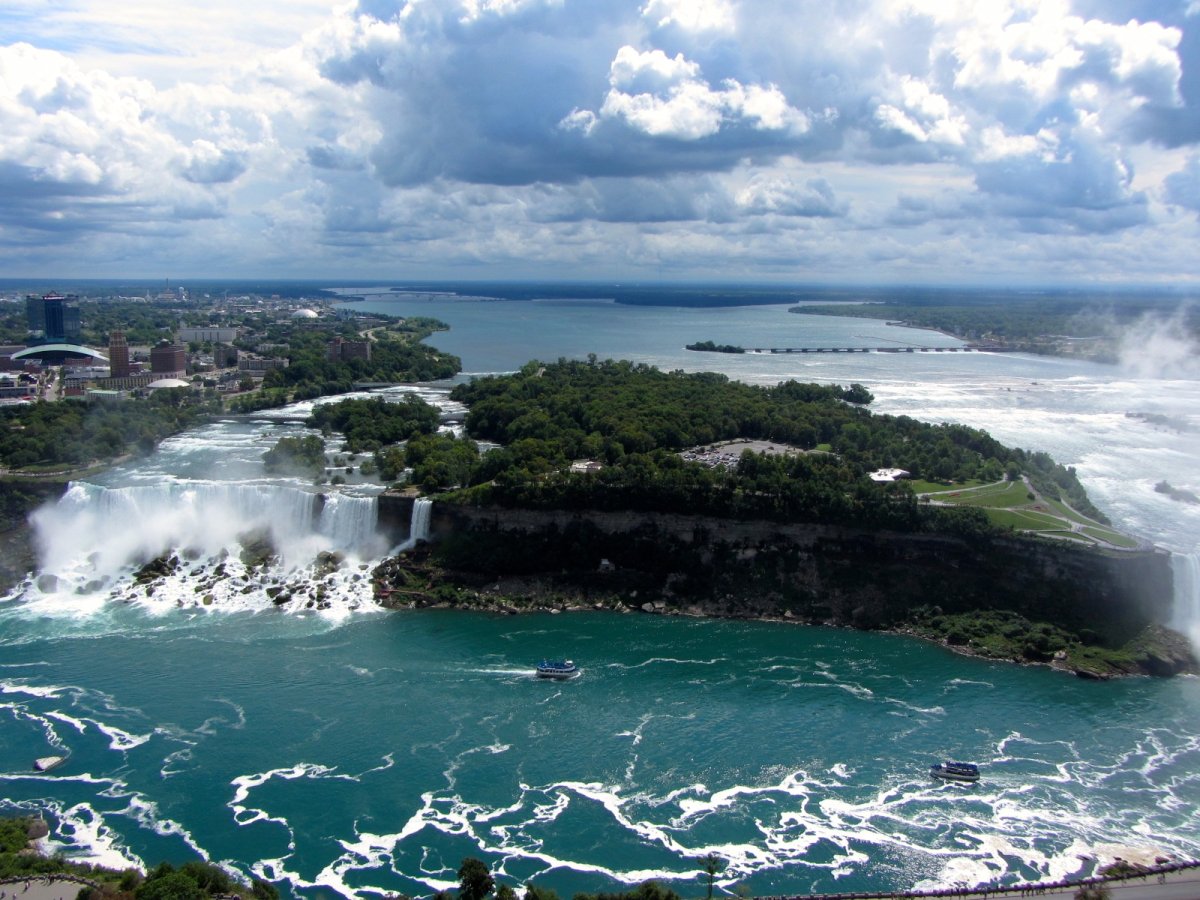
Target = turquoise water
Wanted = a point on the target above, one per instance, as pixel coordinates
(354, 752)
(377, 753)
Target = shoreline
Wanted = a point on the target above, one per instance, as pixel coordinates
(532, 594)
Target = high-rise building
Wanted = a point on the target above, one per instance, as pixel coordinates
(52, 306)
(118, 356)
(213, 334)
(35, 311)
(341, 350)
(168, 359)
(53, 318)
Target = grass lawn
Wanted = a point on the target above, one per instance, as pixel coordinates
(1002, 495)
(936, 487)
(1024, 520)
(1008, 505)
(1113, 537)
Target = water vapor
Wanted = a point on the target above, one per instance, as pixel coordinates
(1160, 347)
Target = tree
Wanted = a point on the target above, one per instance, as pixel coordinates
(533, 892)
(475, 882)
(296, 454)
(175, 886)
(712, 865)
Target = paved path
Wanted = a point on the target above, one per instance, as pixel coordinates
(45, 887)
(1181, 885)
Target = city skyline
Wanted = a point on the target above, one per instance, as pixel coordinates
(909, 142)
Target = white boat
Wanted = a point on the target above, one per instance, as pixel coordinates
(955, 771)
(560, 669)
(46, 763)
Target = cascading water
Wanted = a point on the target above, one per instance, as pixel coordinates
(418, 524)
(352, 524)
(220, 544)
(1186, 611)
(419, 529)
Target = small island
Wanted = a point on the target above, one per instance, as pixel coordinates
(1175, 493)
(710, 347)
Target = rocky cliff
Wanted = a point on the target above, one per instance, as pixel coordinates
(824, 573)
(817, 573)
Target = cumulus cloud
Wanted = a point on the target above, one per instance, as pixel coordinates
(1182, 188)
(691, 15)
(667, 97)
(475, 127)
(206, 163)
(782, 196)
(84, 152)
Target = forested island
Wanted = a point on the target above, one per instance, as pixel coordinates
(710, 347)
(596, 495)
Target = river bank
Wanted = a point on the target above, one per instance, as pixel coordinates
(418, 580)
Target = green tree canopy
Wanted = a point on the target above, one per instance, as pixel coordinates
(475, 881)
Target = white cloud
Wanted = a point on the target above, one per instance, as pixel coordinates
(692, 15)
(621, 132)
(1182, 188)
(773, 194)
(665, 96)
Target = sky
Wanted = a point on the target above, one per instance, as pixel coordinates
(858, 141)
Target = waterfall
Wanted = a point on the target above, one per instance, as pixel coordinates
(350, 522)
(418, 525)
(1185, 616)
(106, 530)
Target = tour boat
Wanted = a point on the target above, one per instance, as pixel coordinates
(560, 669)
(955, 771)
(46, 763)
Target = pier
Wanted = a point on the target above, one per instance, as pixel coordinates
(967, 349)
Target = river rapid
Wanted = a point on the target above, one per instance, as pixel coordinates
(340, 750)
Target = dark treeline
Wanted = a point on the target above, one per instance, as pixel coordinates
(1015, 320)
(303, 455)
(81, 432)
(371, 424)
(634, 419)
(710, 347)
(396, 356)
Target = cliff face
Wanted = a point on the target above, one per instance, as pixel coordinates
(814, 572)
(17, 500)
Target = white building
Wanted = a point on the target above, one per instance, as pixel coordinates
(211, 334)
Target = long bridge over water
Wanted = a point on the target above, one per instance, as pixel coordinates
(966, 349)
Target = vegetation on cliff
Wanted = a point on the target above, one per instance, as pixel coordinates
(296, 455)
(48, 435)
(398, 354)
(371, 424)
(195, 880)
(634, 420)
